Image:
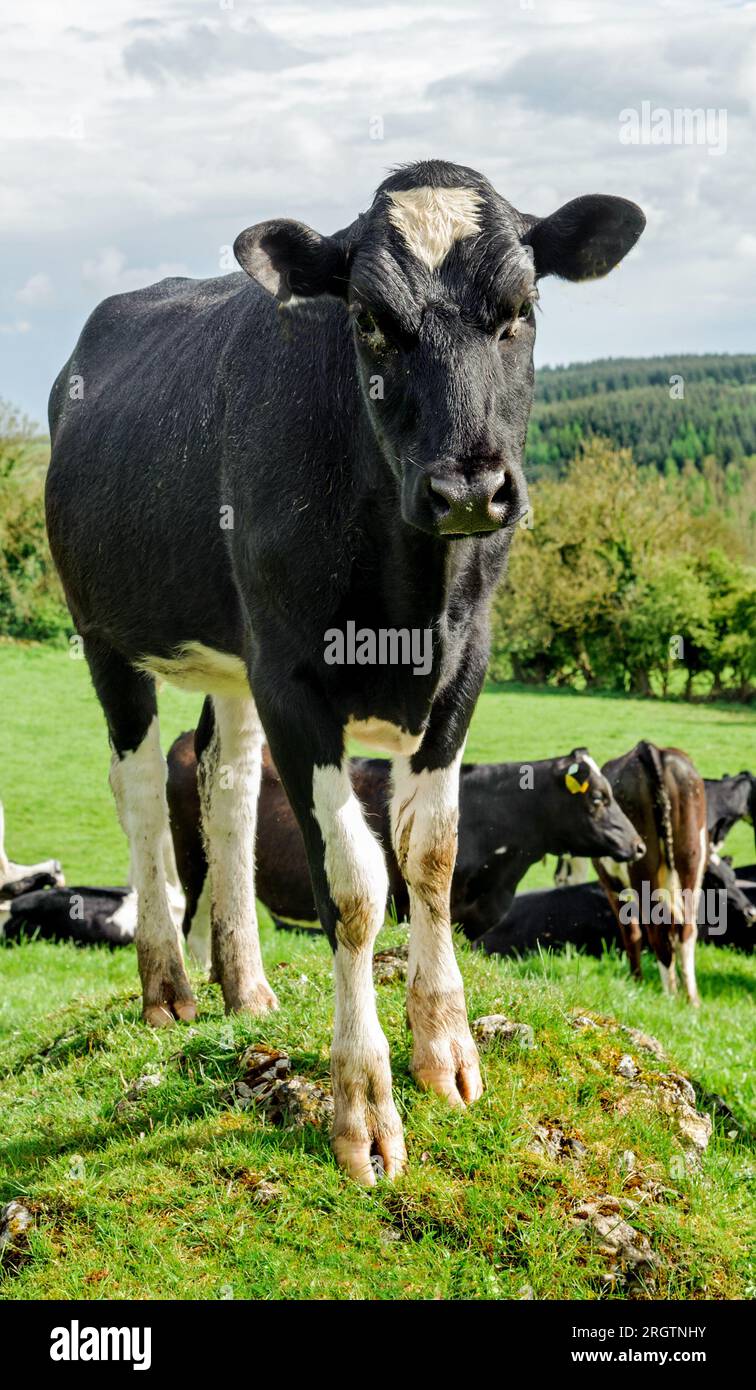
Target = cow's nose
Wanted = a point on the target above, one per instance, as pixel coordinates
(465, 507)
(640, 849)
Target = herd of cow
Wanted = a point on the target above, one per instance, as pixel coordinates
(651, 825)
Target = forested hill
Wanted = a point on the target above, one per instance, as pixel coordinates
(669, 410)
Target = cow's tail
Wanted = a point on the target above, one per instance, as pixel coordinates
(651, 758)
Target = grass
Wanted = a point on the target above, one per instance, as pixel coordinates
(157, 1199)
(54, 756)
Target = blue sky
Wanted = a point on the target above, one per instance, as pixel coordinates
(138, 139)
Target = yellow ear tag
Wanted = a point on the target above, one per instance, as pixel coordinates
(573, 785)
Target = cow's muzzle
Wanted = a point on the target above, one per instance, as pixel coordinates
(462, 506)
(467, 507)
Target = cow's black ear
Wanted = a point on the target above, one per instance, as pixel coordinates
(291, 260)
(586, 238)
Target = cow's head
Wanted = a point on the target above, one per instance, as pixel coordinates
(440, 278)
(592, 824)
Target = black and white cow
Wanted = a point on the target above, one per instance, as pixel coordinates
(728, 800)
(229, 484)
(581, 916)
(85, 916)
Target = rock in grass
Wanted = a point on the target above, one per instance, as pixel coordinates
(296, 1102)
(283, 1097)
(262, 1065)
(15, 1224)
(628, 1251)
(137, 1089)
(678, 1100)
(644, 1040)
(674, 1095)
(491, 1028)
(391, 965)
(549, 1141)
(627, 1067)
(583, 1019)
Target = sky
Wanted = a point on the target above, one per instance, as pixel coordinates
(138, 139)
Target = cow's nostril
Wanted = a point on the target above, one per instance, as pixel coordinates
(503, 494)
(640, 849)
(440, 501)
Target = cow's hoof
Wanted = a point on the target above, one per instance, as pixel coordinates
(459, 1087)
(356, 1157)
(367, 1133)
(165, 1015)
(260, 999)
(444, 1056)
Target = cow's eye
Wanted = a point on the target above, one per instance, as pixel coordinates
(370, 332)
(522, 316)
(598, 800)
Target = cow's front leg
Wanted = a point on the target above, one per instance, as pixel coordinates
(366, 1120)
(424, 813)
(350, 884)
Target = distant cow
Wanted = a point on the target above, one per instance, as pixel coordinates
(728, 800)
(511, 815)
(24, 878)
(581, 916)
(663, 795)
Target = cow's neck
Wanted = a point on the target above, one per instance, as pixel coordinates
(416, 574)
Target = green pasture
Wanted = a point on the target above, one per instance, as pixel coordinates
(178, 1193)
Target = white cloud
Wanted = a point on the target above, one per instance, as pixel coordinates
(108, 272)
(139, 138)
(18, 326)
(37, 290)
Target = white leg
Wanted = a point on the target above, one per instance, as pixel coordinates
(668, 975)
(138, 782)
(365, 1115)
(229, 784)
(686, 956)
(685, 943)
(424, 828)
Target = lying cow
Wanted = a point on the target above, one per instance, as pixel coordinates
(728, 800)
(86, 916)
(16, 879)
(663, 795)
(511, 815)
(581, 916)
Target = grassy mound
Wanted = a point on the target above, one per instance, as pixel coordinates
(145, 1178)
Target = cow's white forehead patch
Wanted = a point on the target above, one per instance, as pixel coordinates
(432, 219)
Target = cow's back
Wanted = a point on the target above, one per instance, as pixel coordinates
(134, 489)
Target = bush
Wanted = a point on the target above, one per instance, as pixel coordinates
(31, 598)
(620, 585)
